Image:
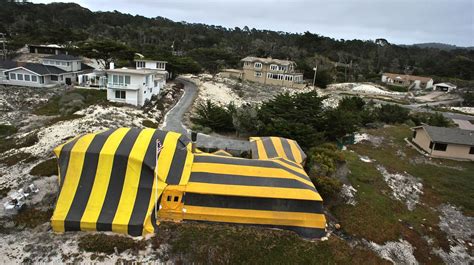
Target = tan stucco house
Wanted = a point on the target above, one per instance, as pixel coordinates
(443, 142)
(271, 71)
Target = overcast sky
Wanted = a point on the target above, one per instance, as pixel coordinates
(398, 21)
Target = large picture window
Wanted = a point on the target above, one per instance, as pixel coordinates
(440, 147)
(54, 78)
(120, 94)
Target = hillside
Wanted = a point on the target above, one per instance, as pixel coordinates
(210, 47)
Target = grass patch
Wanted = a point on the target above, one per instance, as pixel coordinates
(201, 243)
(442, 182)
(7, 130)
(17, 158)
(396, 88)
(150, 124)
(46, 168)
(102, 243)
(71, 101)
(31, 217)
(26, 141)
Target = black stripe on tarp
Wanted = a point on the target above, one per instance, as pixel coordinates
(117, 178)
(246, 162)
(254, 148)
(306, 232)
(214, 178)
(72, 221)
(253, 203)
(287, 148)
(63, 160)
(178, 162)
(145, 186)
(269, 147)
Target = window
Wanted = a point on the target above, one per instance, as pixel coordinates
(414, 134)
(34, 78)
(64, 63)
(258, 65)
(68, 63)
(12, 76)
(54, 78)
(127, 80)
(176, 198)
(120, 94)
(274, 67)
(27, 77)
(58, 63)
(19, 76)
(431, 145)
(258, 74)
(120, 79)
(168, 198)
(440, 147)
(471, 150)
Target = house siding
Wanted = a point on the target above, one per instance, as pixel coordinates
(137, 92)
(16, 82)
(250, 74)
(455, 151)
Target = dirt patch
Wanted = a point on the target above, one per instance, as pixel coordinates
(404, 187)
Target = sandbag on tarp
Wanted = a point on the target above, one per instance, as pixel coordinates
(107, 179)
(271, 147)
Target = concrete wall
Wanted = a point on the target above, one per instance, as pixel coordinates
(455, 151)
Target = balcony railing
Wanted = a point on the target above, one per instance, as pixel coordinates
(123, 86)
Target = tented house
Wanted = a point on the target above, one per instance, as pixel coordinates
(128, 180)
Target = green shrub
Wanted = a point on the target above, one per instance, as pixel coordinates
(328, 187)
(46, 168)
(217, 118)
(323, 160)
(106, 244)
(433, 119)
(150, 124)
(393, 113)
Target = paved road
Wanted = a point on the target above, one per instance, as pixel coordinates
(419, 108)
(174, 122)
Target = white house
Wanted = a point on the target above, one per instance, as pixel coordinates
(410, 81)
(132, 86)
(33, 75)
(447, 87)
(56, 69)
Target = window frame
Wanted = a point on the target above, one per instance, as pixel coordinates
(12, 76)
(471, 150)
(34, 78)
(258, 65)
(440, 147)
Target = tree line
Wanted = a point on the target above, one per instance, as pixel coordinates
(210, 48)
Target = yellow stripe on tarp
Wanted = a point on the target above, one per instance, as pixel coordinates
(296, 151)
(257, 217)
(188, 164)
(71, 181)
(101, 180)
(166, 155)
(262, 153)
(148, 227)
(252, 171)
(253, 191)
(131, 181)
(276, 141)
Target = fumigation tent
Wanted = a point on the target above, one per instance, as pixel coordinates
(117, 181)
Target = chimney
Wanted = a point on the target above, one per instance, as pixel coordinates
(111, 65)
(193, 139)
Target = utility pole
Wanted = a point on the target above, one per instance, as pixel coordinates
(315, 69)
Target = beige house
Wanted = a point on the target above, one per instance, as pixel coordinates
(443, 142)
(271, 72)
(410, 81)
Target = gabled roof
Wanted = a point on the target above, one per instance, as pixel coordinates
(267, 60)
(39, 69)
(449, 135)
(63, 57)
(407, 77)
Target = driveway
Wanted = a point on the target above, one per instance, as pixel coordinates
(173, 121)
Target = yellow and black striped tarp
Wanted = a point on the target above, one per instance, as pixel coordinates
(271, 147)
(221, 152)
(268, 192)
(107, 179)
(114, 180)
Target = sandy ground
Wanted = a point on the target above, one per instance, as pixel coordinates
(467, 110)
